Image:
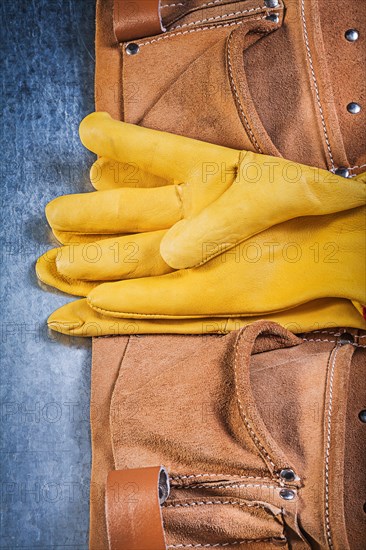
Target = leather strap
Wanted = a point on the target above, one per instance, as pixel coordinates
(133, 508)
(136, 19)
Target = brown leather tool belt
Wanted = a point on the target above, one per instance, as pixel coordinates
(261, 432)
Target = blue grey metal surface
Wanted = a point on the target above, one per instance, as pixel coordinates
(47, 89)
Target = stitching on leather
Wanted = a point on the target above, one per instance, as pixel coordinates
(331, 341)
(334, 333)
(251, 134)
(319, 340)
(310, 59)
(252, 434)
(202, 6)
(165, 316)
(211, 3)
(218, 17)
(112, 397)
(355, 167)
(212, 502)
(132, 314)
(165, 37)
(173, 5)
(329, 429)
(195, 476)
(225, 544)
(327, 332)
(228, 486)
(350, 167)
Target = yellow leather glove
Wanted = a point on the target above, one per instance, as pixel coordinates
(303, 266)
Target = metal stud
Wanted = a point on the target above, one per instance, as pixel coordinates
(164, 485)
(287, 494)
(271, 3)
(342, 171)
(351, 35)
(353, 108)
(346, 338)
(287, 474)
(132, 48)
(362, 416)
(273, 17)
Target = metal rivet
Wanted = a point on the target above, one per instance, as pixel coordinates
(346, 338)
(287, 474)
(362, 416)
(273, 17)
(287, 494)
(132, 48)
(342, 171)
(164, 485)
(351, 35)
(271, 3)
(353, 108)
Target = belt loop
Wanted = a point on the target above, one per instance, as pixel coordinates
(133, 508)
(133, 19)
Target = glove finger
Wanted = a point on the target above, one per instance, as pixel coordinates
(115, 211)
(261, 276)
(246, 209)
(47, 273)
(78, 269)
(78, 319)
(110, 174)
(169, 156)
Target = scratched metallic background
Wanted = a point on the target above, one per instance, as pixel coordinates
(47, 88)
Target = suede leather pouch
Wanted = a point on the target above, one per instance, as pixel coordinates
(272, 80)
(224, 73)
(226, 415)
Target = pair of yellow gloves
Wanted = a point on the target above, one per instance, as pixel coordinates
(184, 236)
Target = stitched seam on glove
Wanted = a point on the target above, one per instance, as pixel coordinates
(136, 315)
